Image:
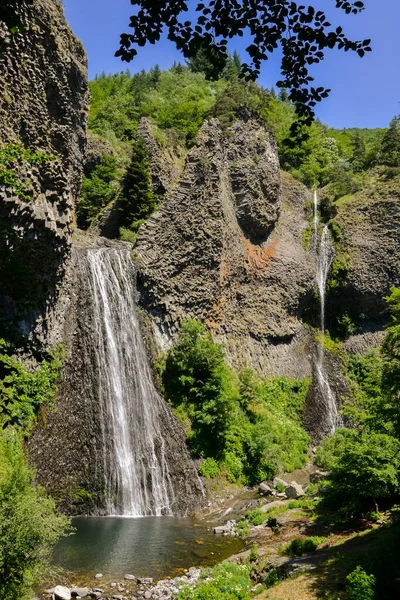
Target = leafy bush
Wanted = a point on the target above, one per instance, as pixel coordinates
(256, 516)
(300, 546)
(22, 392)
(364, 468)
(242, 528)
(360, 586)
(227, 581)
(29, 525)
(251, 428)
(209, 468)
(97, 191)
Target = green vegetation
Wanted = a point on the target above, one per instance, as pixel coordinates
(300, 546)
(227, 581)
(29, 524)
(22, 392)
(256, 516)
(250, 428)
(13, 157)
(364, 461)
(177, 101)
(360, 586)
(97, 191)
(137, 201)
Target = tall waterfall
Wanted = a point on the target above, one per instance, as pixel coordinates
(325, 257)
(137, 475)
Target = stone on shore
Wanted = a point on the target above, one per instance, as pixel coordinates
(294, 491)
(61, 593)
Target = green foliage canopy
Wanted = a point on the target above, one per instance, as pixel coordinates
(247, 429)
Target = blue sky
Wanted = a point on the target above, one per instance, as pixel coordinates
(365, 92)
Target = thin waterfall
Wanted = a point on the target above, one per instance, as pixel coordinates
(325, 257)
(137, 475)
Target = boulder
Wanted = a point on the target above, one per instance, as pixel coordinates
(62, 593)
(318, 476)
(81, 592)
(264, 489)
(279, 481)
(294, 491)
(98, 576)
(145, 580)
(130, 577)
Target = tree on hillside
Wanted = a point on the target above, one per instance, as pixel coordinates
(390, 149)
(138, 200)
(358, 151)
(303, 34)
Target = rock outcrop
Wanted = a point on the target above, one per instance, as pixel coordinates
(370, 224)
(43, 109)
(226, 247)
(166, 159)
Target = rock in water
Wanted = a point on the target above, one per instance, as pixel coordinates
(62, 593)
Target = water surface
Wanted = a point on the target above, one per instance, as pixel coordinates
(149, 547)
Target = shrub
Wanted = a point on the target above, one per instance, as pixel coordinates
(300, 546)
(254, 554)
(29, 525)
(209, 468)
(360, 586)
(227, 581)
(242, 528)
(97, 191)
(21, 391)
(256, 516)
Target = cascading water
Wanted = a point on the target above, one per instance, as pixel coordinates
(137, 475)
(325, 257)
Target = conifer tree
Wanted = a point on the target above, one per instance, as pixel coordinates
(359, 151)
(390, 150)
(138, 201)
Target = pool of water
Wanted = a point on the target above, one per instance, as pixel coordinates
(149, 547)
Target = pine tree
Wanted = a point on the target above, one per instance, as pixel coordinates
(138, 201)
(390, 149)
(283, 95)
(359, 151)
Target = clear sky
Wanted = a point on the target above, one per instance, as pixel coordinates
(365, 92)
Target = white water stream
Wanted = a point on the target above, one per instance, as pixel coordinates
(138, 481)
(325, 257)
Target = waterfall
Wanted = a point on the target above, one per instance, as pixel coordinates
(325, 257)
(132, 414)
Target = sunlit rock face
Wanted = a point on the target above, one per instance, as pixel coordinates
(226, 247)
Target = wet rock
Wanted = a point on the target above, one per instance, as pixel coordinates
(294, 491)
(227, 529)
(61, 593)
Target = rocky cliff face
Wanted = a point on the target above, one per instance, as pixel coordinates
(370, 222)
(226, 247)
(43, 108)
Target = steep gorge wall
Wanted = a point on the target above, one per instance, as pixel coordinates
(43, 106)
(226, 247)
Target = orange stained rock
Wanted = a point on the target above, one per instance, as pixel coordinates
(259, 257)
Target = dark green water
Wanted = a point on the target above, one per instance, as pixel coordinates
(150, 547)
